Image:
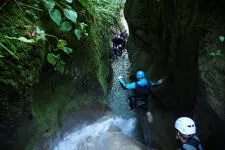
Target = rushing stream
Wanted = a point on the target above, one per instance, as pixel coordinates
(93, 136)
(117, 96)
(97, 135)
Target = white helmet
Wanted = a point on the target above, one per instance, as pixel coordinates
(185, 125)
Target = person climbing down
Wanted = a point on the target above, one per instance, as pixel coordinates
(120, 40)
(117, 50)
(186, 134)
(140, 89)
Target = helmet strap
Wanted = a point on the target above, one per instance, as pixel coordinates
(184, 138)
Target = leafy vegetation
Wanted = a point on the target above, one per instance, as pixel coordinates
(103, 11)
(21, 57)
(58, 11)
(64, 16)
(54, 31)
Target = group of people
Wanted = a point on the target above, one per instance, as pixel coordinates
(186, 129)
(118, 43)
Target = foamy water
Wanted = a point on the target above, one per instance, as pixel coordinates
(93, 136)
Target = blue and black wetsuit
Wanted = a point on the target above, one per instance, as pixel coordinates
(117, 40)
(116, 51)
(118, 45)
(141, 90)
(192, 144)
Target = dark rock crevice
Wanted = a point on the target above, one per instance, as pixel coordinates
(174, 40)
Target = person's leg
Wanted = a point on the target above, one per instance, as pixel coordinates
(123, 45)
(145, 107)
(148, 113)
(131, 102)
(114, 51)
(120, 52)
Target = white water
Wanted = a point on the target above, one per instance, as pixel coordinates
(93, 136)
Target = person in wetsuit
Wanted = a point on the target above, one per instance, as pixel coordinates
(141, 89)
(186, 134)
(119, 40)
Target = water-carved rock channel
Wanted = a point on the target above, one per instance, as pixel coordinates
(112, 130)
(179, 41)
(116, 129)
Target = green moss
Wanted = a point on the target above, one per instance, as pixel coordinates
(25, 70)
(51, 108)
(86, 71)
(54, 104)
(100, 59)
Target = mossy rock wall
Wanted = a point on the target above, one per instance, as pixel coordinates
(164, 42)
(176, 40)
(37, 93)
(20, 63)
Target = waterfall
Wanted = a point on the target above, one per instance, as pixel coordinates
(94, 136)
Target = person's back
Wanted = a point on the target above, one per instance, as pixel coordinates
(141, 89)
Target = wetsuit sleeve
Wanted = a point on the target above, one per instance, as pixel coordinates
(154, 83)
(126, 86)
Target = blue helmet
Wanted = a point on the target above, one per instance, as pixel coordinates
(140, 74)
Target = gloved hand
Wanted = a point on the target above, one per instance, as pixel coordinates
(120, 77)
(160, 81)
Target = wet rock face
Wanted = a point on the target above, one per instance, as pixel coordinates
(178, 40)
(116, 140)
(212, 72)
(119, 141)
(210, 110)
(165, 39)
(163, 42)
